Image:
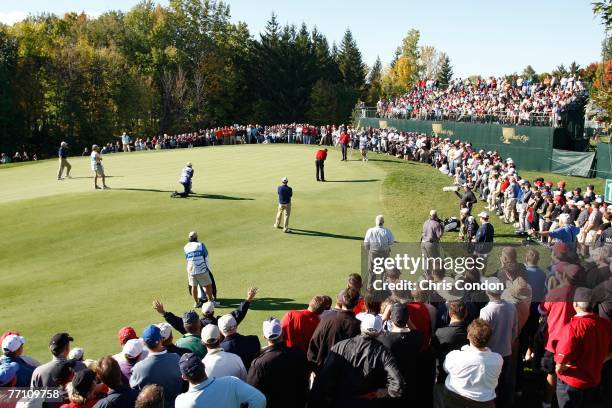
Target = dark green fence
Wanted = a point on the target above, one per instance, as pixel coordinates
(603, 166)
(530, 147)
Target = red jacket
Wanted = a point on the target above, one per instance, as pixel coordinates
(298, 327)
(344, 138)
(420, 317)
(584, 345)
(321, 154)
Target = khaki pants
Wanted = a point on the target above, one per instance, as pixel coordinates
(63, 164)
(286, 209)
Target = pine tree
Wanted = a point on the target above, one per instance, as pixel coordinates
(374, 83)
(529, 73)
(445, 73)
(353, 72)
(574, 69)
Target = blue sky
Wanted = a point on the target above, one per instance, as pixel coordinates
(481, 37)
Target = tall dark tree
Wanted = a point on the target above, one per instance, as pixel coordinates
(445, 73)
(353, 72)
(374, 83)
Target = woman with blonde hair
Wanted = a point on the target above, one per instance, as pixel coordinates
(82, 390)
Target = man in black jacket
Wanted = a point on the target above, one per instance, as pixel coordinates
(451, 337)
(279, 372)
(208, 310)
(245, 347)
(340, 326)
(358, 372)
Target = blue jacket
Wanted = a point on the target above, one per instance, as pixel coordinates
(284, 194)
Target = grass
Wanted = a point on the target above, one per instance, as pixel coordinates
(89, 262)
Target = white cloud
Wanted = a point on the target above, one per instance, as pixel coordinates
(11, 17)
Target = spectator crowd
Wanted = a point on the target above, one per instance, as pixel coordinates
(509, 100)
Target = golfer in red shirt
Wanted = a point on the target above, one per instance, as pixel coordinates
(344, 141)
(320, 164)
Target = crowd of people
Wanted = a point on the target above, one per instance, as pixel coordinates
(510, 100)
(18, 157)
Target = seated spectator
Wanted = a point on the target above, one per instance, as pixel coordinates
(473, 371)
(356, 369)
(160, 367)
(340, 326)
(217, 361)
(245, 347)
(119, 395)
(299, 325)
(82, 390)
(280, 372)
(151, 396)
(191, 340)
(12, 347)
(214, 392)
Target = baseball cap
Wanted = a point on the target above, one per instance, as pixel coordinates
(483, 214)
(190, 317)
(193, 234)
(371, 324)
(61, 372)
(83, 381)
(133, 348)
(583, 295)
(165, 329)
(188, 164)
(59, 341)
(12, 342)
(400, 315)
(8, 370)
(432, 213)
(568, 195)
(208, 307)
(284, 180)
(190, 364)
(126, 333)
(151, 335)
(227, 323)
(76, 353)
(210, 334)
(272, 329)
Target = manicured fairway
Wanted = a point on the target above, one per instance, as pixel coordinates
(88, 262)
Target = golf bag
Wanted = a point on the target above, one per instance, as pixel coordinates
(451, 224)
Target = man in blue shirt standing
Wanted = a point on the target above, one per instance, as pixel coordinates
(566, 233)
(63, 161)
(284, 205)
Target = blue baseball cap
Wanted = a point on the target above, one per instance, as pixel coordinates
(190, 364)
(8, 370)
(152, 335)
(190, 317)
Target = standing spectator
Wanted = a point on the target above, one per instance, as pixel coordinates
(245, 347)
(320, 164)
(451, 337)
(124, 335)
(133, 352)
(279, 372)
(299, 325)
(405, 345)
(357, 369)
(192, 340)
(59, 347)
(566, 232)
(430, 236)
(473, 371)
(226, 392)
(503, 321)
(198, 269)
(217, 361)
(63, 161)
(378, 242)
(581, 352)
(168, 340)
(340, 326)
(284, 204)
(485, 234)
(12, 347)
(82, 389)
(125, 141)
(160, 367)
(151, 396)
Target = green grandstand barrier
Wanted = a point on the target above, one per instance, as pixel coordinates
(530, 147)
(603, 167)
(571, 163)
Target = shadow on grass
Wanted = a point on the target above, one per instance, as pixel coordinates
(91, 177)
(352, 181)
(311, 233)
(266, 303)
(205, 196)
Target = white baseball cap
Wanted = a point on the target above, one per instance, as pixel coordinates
(227, 323)
(580, 203)
(210, 334)
(208, 307)
(13, 342)
(432, 213)
(165, 329)
(284, 180)
(193, 234)
(272, 329)
(569, 195)
(483, 214)
(188, 164)
(133, 348)
(371, 324)
(76, 353)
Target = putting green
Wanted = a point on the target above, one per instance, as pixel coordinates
(88, 262)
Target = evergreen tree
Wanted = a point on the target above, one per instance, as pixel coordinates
(353, 72)
(374, 83)
(574, 69)
(445, 74)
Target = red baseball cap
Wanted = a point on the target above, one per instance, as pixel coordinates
(125, 334)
